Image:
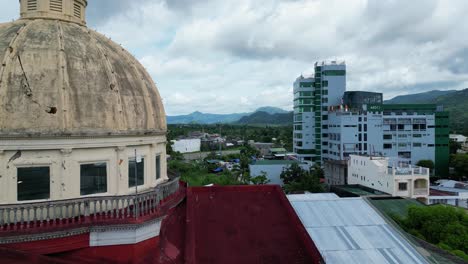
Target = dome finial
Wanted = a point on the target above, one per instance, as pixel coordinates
(67, 10)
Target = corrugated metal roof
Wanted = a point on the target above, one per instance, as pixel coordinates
(348, 230)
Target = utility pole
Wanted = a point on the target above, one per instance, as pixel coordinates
(219, 140)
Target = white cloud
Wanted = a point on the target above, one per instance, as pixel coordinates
(237, 55)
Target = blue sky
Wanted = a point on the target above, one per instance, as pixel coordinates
(237, 55)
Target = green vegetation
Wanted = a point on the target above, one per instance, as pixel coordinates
(426, 164)
(297, 179)
(460, 164)
(454, 146)
(200, 173)
(455, 104)
(267, 118)
(197, 174)
(395, 207)
(282, 134)
(444, 226)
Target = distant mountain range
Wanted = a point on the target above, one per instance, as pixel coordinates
(454, 101)
(418, 98)
(456, 104)
(205, 118)
(261, 118)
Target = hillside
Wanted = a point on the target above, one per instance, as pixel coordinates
(261, 117)
(418, 98)
(456, 104)
(205, 118)
(271, 110)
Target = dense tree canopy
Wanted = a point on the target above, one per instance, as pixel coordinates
(297, 179)
(460, 164)
(444, 226)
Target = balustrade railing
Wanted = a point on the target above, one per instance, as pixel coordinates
(421, 191)
(86, 210)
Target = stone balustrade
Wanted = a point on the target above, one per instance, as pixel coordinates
(88, 211)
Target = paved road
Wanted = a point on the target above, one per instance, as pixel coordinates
(202, 155)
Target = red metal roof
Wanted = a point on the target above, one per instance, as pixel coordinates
(239, 224)
(433, 192)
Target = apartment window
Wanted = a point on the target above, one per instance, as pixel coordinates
(417, 135)
(387, 146)
(140, 171)
(325, 83)
(417, 145)
(392, 127)
(387, 136)
(158, 167)
(93, 178)
(334, 73)
(305, 84)
(402, 186)
(359, 119)
(365, 137)
(365, 127)
(359, 127)
(360, 137)
(401, 127)
(33, 183)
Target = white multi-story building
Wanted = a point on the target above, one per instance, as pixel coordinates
(331, 123)
(380, 174)
(312, 98)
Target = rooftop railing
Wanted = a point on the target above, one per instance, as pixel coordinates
(408, 171)
(90, 211)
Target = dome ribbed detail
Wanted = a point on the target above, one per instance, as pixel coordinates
(60, 78)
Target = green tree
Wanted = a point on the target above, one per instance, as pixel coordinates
(441, 225)
(297, 179)
(292, 173)
(454, 146)
(309, 182)
(261, 179)
(459, 162)
(426, 164)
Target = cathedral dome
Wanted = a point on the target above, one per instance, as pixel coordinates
(60, 78)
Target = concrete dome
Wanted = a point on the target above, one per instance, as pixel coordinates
(59, 78)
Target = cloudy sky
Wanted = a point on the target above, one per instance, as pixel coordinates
(224, 56)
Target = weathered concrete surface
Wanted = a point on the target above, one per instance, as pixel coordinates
(62, 79)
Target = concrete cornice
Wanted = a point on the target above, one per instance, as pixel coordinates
(78, 142)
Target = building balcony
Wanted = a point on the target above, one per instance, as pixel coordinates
(87, 212)
(421, 191)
